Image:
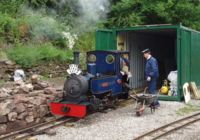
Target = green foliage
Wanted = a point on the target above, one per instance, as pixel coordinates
(36, 21)
(8, 28)
(11, 7)
(125, 13)
(42, 28)
(85, 42)
(63, 10)
(187, 12)
(137, 12)
(34, 29)
(2, 55)
(30, 55)
(39, 24)
(37, 3)
(60, 42)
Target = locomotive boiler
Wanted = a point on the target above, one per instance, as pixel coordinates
(105, 80)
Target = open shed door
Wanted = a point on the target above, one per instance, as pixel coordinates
(195, 52)
(105, 40)
(184, 53)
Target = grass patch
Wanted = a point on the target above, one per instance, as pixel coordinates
(2, 55)
(44, 78)
(188, 108)
(2, 82)
(32, 55)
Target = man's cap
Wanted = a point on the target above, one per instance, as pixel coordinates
(147, 50)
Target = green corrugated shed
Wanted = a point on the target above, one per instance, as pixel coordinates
(174, 44)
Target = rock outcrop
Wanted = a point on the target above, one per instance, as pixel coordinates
(24, 103)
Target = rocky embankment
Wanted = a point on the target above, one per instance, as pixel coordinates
(7, 69)
(25, 103)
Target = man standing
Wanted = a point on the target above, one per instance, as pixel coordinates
(151, 72)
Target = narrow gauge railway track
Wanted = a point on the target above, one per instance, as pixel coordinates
(40, 128)
(169, 128)
(36, 129)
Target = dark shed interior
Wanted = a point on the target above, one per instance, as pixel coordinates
(161, 42)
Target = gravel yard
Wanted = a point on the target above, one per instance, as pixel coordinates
(122, 124)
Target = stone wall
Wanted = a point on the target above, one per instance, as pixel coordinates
(24, 104)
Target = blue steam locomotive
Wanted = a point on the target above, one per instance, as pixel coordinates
(105, 81)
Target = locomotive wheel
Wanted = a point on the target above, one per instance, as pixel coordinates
(124, 95)
(96, 104)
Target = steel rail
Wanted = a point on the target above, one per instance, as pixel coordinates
(13, 135)
(166, 132)
(41, 131)
(31, 128)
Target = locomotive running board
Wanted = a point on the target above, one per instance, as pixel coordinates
(71, 110)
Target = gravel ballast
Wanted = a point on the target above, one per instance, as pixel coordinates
(122, 123)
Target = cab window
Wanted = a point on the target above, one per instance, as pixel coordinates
(110, 59)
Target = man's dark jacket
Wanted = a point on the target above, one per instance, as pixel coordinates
(151, 68)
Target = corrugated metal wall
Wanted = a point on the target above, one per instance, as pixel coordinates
(137, 61)
(162, 48)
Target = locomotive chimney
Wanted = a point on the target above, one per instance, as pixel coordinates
(76, 57)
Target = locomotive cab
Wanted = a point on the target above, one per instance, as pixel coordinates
(108, 67)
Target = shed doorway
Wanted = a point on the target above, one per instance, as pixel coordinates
(163, 46)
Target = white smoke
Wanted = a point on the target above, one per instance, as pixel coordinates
(46, 26)
(91, 12)
(41, 25)
(94, 10)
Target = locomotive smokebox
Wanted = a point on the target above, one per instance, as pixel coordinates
(76, 57)
(75, 86)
